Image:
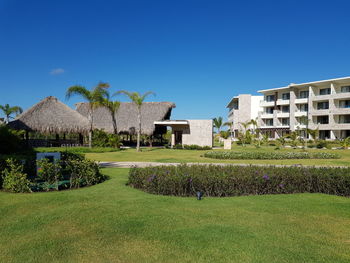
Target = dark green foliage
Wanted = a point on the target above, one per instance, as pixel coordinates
(213, 180)
(191, 147)
(14, 179)
(50, 173)
(102, 139)
(10, 140)
(275, 155)
(321, 144)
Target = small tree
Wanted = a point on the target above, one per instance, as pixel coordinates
(138, 100)
(8, 111)
(218, 123)
(94, 98)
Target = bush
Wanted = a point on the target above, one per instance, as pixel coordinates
(102, 139)
(83, 173)
(50, 173)
(321, 144)
(191, 147)
(222, 181)
(10, 140)
(269, 155)
(14, 180)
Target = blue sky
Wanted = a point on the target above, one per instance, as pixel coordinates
(197, 54)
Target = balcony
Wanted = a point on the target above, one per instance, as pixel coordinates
(301, 101)
(267, 115)
(316, 112)
(282, 102)
(300, 126)
(341, 111)
(267, 103)
(322, 97)
(300, 113)
(341, 95)
(281, 114)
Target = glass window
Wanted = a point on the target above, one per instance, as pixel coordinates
(323, 105)
(303, 94)
(270, 98)
(285, 96)
(304, 107)
(322, 120)
(285, 121)
(345, 89)
(269, 122)
(285, 109)
(325, 91)
(344, 104)
(344, 119)
(269, 110)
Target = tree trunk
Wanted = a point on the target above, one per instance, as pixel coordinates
(151, 141)
(90, 139)
(139, 131)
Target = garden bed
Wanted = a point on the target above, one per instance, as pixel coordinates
(223, 181)
(275, 155)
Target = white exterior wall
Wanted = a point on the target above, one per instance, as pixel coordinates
(200, 132)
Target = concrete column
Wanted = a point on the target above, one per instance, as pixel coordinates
(292, 109)
(172, 138)
(333, 135)
(332, 106)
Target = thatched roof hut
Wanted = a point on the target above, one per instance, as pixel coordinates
(51, 116)
(126, 117)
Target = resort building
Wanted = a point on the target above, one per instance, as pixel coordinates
(322, 105)
(242, 109)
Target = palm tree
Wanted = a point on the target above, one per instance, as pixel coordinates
(138, 100)
(112, 107)
(229, 124)
(8, 111)
(218, 123)
(94, 97)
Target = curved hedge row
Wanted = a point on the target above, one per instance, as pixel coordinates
(221, 181)
(276, 155)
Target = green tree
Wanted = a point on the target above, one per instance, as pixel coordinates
(138, 100)
(111, 106)
(8, 111)
(94, 98)
(218, 123)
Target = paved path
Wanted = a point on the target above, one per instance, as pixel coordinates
(150, 164)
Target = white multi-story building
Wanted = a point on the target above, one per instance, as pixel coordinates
(322, 105)
(242, 109)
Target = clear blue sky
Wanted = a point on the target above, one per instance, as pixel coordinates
(197, 54)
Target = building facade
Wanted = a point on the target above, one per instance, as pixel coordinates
(242, 109)
(322, 105)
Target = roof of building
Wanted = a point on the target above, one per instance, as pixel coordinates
(51, 116)
(126, 116)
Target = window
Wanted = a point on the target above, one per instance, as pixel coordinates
(324, 135)
(325, 91)
(322, 120)
(285, 121)
(269, 110)
(323, 105)
(303, 94)
(344, 104)
(304, 107)
(269, 98)
(285, 96)
(302, 121)
(269, 122)
(344, 119)
(285, 109)
(345, 89)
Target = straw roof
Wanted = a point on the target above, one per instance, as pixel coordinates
(126, 117)
(51, 116)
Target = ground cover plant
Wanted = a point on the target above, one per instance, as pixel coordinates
(276, 155)
(216, 180)
(111, 222)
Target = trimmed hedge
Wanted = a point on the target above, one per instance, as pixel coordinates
(191, 147)
(269, 155)
(220, 181)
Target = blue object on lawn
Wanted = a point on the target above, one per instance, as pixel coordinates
(199, 195)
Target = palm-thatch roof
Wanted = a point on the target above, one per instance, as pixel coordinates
(51, 116)
(126, 117)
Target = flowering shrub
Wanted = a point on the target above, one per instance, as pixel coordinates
(270, 155)
(213, 180)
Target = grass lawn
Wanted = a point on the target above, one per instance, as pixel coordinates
(111, 222)
(170, 155)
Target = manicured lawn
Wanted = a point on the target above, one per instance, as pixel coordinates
(170, 155)
(111, 222)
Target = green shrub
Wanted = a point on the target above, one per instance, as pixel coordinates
(102, 139)
(269, 155)
(213, 180)
(196, 147)
(321, 144)
(10, 140)
(14, 180)
(50, 173)
(83, 173)
(77, 150)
